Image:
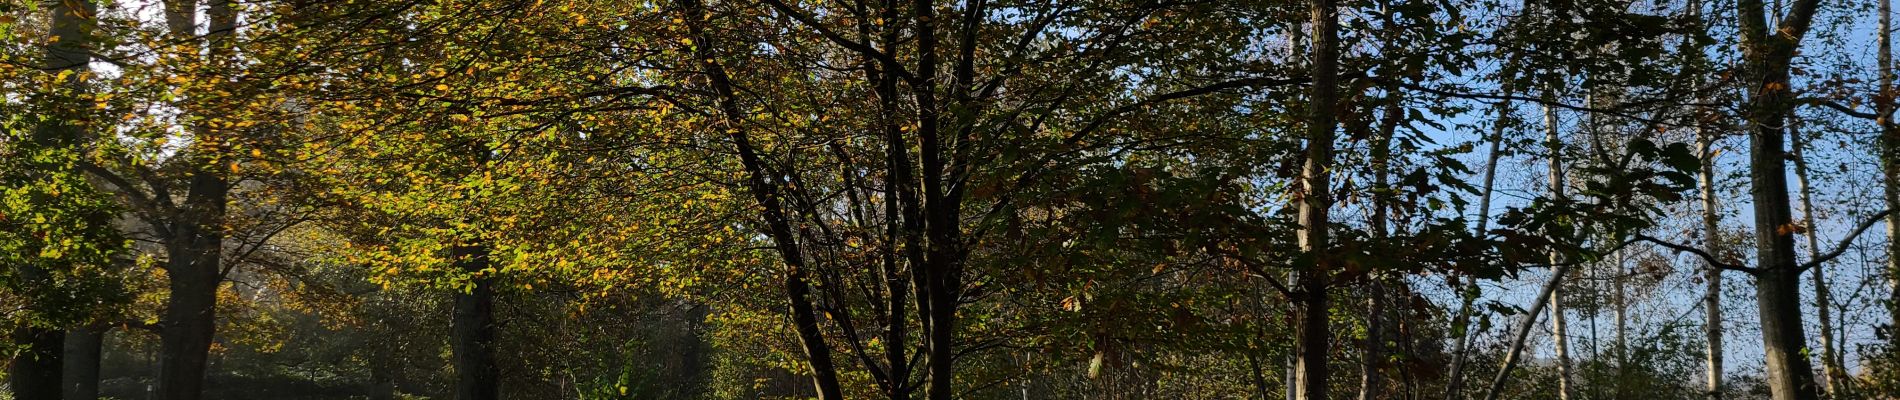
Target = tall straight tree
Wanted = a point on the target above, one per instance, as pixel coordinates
(1767, 57)
(1315, 329)
(1833, 375)
(1711, 244)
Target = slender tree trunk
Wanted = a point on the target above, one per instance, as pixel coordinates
(1621, 300)
(1462, 321)
(1315, 332)
(1712, 243)
(1831, 373)
(83, 350)
(1523, 331)
(1889, 158)
(1551, 292)
(1560, 335)
(778, 226)
(473, 327)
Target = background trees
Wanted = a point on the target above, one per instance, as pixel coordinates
(982, 199)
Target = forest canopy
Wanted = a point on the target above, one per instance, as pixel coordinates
(975, 199)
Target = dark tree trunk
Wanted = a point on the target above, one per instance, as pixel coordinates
(190, 311)
(83, 349)
(473, 326)
(766, 193)
(35, 372)
(195, 245)
(1768, 58)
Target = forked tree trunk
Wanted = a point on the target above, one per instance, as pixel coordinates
(195, 247)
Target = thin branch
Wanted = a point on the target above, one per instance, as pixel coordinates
(1842, 246)
(150, 211)
(1843, 108)
(890, 63)
(1710, 258)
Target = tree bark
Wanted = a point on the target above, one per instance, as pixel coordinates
(1315, 330)
(1889, 158)
(1711, 243)
(473, 327)
(83, 351)
(1833, 376)
(766, 193)
(195, 247)
(1767, 61)
(1560, 335)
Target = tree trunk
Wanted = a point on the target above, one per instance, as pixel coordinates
(1833, 376)
(1461, 322)
(1524, 331)
(765, 192)
(1315, 331)
(1768, 57)
(1560, 335)
(35, 371)
(1712, 243)
(195, 248)
(1889, 158)
(186, 333)
(473, 327)
(83, 349)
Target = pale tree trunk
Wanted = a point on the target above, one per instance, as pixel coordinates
(1768, 56)
(1833, 376)
(1523, 331)
(1560, 335)
(1549, 295)
(1462, 320)
(1296, 39)
(1712, 244)
(1316, 200)
(1889, 158)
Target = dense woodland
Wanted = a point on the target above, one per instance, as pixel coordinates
(974, 199)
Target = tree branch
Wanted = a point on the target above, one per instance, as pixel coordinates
(1842, 246)
(1710, 258)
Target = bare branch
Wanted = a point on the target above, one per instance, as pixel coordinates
(1842, 246)
(1710, 258)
